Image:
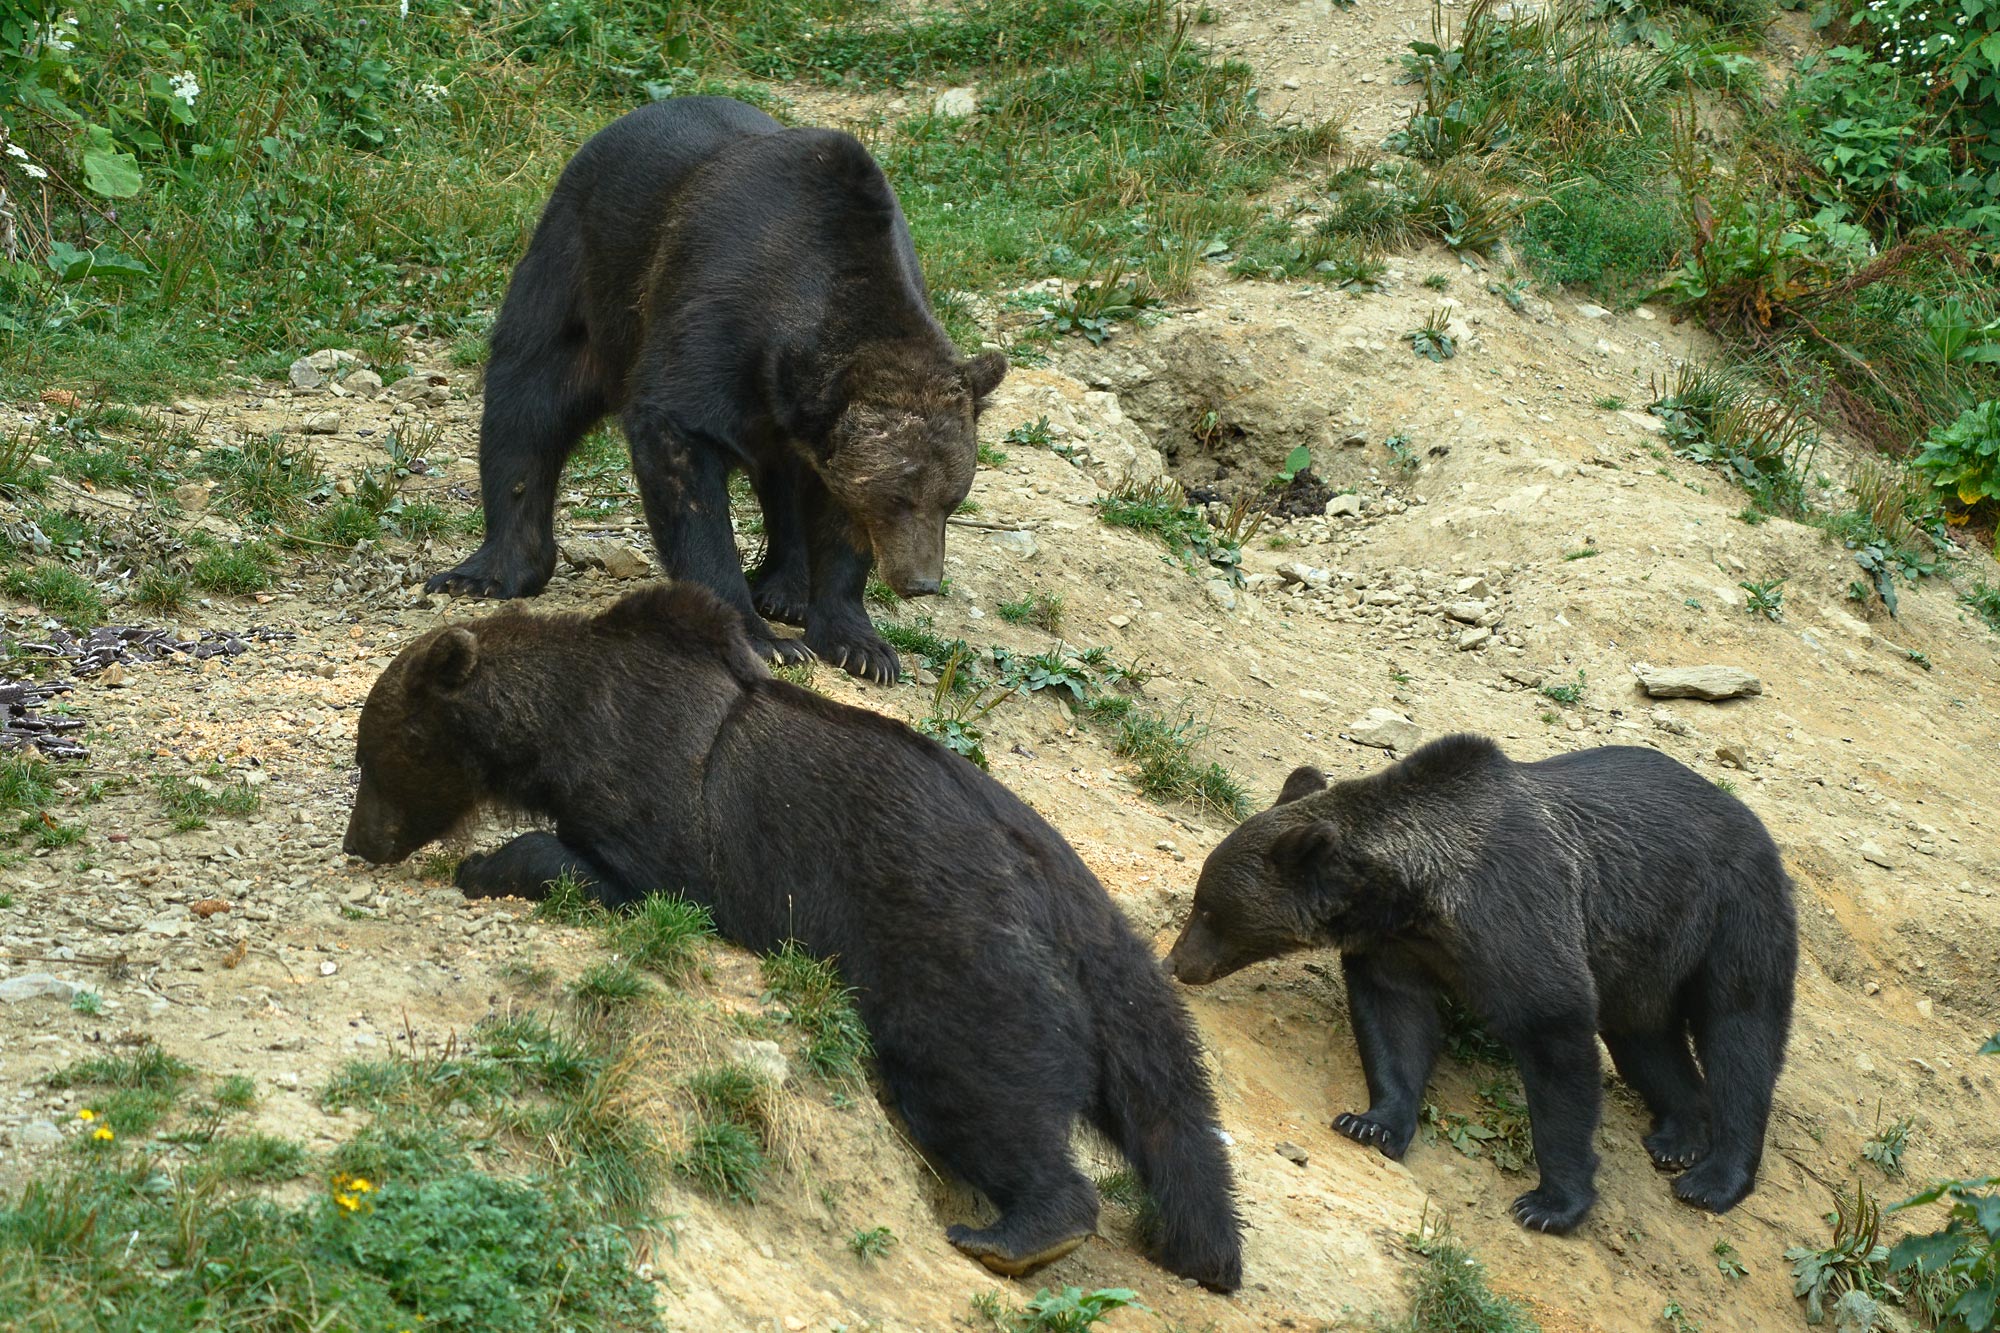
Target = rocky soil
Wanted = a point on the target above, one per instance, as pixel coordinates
(1528, 538)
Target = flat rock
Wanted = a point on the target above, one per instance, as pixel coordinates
(956, 103)
(1385, 729)
(765, 1059)
(1589, 311)
(38, 1134)
(617, 559)
(37, 986)
(1344, 506)
(1292, 1153)
(1312, 576)
(363, 384)
(1020, 545)
(1872, 852)
(1467, 612)
(1220, 594)
(1474, 638)
(322, 423)
(1697, 682)
(1474, 588)
(313, 371)
(1527, 676)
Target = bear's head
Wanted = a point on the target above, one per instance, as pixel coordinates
(900, 458)
(418, 780)
(1286, 879)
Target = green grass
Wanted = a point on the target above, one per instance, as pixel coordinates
(236, 570)
(1449, 1294)
(608, 987)
(1043, 610)
(665, 934)
(26, 784)
(255, 1158)
(189, 803)
(238, 1092)
(60, 591)
(568, 902)
(1608, 239)
(1983, 600)
(725, 1159)
(821, 1008)
(1164, 750)
(336, 183)
(150, 1069)
(872, 1243)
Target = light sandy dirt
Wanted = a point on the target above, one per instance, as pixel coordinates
(1872, 754)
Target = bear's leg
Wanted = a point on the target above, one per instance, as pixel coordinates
(996, 1134)
(837, 624)
(1557, 1057)
(526, 866)
(1661, 1070)
(684, 485)
(783, 582)
(541, 397)
(1741, 1041)
(1396, 1027)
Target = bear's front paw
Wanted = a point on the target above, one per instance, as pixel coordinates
(1553, 1211)
(1389, 1139)
(488, 572)
(857, 650)
(780, 651)
(780, 597)
(1715, 1185)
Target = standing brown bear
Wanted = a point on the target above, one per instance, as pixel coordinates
(1004, 992)
(1611, 891)
(747, 297)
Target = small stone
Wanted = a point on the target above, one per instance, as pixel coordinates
(1644, 421)
(1924, 1007)
(208, 907)
(1220, 594)
(1701, 682)
(1292, 1153)
(1466, 613)
(1871, 988)
(956, 103)
(1670, 723)
(1474, 588)
(1385, 729)
(37, 986)
(1020, 545)
(1344, 506)
(38, 1134)
(1733, 756)
(1293, 571)
(1872, 852)
(363, 384)
(328, 968)
(617, 559)
(1477, 637)
(1526, 676)
(765, 1059)
(111, 677)
(192, 496)
(1589, 311)
(322, 423)
(1118, 621)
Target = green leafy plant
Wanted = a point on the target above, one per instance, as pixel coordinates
(1432, 339)
(1728, 1262)
(1964, 457)
(1856, 1259)
(955, 715)
(1885, 1147)
(1449, 1293)
(1766, 597)
(1043, 610)
(1566, 693)
(1955, 1270)
(872, 1243)
(1072, 1310)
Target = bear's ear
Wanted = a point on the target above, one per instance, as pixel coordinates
(983, 374)
(1304, 781)
(450, 660)
(1304, 845)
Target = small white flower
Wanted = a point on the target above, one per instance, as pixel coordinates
(34, 173)
(15, 150)
(432, 92)
(183, 86)
(403, 9)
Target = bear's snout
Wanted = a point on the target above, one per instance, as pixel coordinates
(1196, 958)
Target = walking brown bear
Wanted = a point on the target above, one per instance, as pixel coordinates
(1611, 891)
(1004, 992)
(747, 297)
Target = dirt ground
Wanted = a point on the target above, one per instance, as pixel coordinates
(1871, 753)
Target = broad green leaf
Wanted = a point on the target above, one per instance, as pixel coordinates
(110, 173)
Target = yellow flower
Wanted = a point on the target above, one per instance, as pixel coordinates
(102, 1134)
(360, 1185)
(86, 1114)
(347, 1201)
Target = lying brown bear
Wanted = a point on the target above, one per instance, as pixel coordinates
(1005, 993)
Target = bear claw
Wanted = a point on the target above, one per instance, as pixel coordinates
(1009, 1263)
(1539, 1210)
(1374, 1133)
